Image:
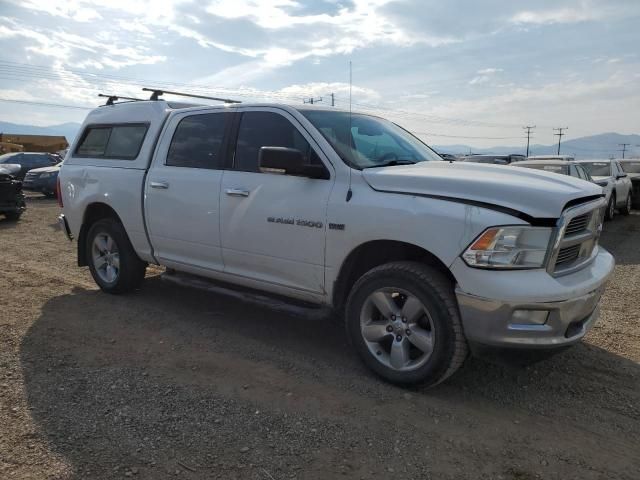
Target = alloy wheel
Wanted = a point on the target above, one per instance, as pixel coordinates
(106, 257)
(397, 329)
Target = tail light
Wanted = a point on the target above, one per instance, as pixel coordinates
(59, 192)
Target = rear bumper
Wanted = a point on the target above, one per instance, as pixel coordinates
(64, 226)
(536, 322)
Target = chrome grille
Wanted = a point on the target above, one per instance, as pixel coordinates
(30, 175)
(577, 238)
(578, 224)
(568, 254)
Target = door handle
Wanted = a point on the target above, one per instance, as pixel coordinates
(163, 185)
(237, 192)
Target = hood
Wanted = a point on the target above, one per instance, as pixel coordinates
(53, 168)
(10, 168)
(535, 193)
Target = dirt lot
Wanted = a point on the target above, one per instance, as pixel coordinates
(176, 382)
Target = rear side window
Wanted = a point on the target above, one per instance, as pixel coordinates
(118, 142)
(198, 142)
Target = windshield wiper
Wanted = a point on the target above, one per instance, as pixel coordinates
(392, 163)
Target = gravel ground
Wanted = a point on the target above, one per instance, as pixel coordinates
(175, 382)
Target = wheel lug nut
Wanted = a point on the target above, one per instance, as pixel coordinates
(393, 317)
(408, 332)
(404, 320)
(389, 328)
(398, 337)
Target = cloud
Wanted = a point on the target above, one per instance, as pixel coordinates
(484, 75)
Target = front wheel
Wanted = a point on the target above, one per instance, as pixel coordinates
(113, 263)
(626, 210)
(402, 319)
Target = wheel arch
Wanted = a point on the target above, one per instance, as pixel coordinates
(373, 253)
(94, 212)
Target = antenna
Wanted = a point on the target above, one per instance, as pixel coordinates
(114, 98)
(156, 93)
(349, 191)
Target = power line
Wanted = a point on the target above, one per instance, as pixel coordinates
(43, 104)
(529, 128)
(560, 135)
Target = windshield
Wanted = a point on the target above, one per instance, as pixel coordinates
(631, 167)
(597, 169)
(550, 168)
(363, 141)
(8, 158)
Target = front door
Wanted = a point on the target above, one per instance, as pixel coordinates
(273, 226)
(183, 191)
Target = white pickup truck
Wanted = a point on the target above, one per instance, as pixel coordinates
(422, 257)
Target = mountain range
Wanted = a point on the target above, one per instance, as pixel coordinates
(603, 145)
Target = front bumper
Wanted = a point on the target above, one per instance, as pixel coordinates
(555, 312)
(37, 185)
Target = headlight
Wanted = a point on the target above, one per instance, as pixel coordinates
(509, 248)
(46, 175)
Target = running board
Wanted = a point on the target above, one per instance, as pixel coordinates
(291, 307)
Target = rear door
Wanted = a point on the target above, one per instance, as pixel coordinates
(273, 225)
(623, 184)
(182, 202)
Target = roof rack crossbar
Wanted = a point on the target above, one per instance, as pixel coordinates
(156, 93)
(113, 98)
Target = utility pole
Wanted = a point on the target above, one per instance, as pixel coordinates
(311, 100)
(624, 148)
(560, 135)
(333, 100)
(528, 129)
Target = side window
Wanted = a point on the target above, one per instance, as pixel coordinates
(197, 142)
(267, 129)
(94, 142)
(125, 141)
(118, 142)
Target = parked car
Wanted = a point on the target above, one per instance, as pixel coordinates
(12, 202)
(611, 172)
(495, 159)
(29, 161)
(42, 180)
(420, 256)
(571, 168)
(632, 169)
(566, 158)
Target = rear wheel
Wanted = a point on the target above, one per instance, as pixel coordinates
(626, 210)
(402, 319)
(113, 263)
(611, 208)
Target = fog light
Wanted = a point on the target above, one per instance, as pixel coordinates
(530, 317)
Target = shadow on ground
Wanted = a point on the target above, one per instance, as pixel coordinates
(167, 379)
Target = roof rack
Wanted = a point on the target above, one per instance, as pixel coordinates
(156, 93)
(113, 98)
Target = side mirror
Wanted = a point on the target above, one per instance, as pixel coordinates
(288, 161)
(621, 175)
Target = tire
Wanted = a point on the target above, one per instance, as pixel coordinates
(626, 210)
(113, 263)
(437, 324)
(13, 216)
(611, 208)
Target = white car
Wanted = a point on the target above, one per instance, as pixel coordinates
(423, 258)
(613, 178)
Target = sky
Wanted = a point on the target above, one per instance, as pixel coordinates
(455, 72)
